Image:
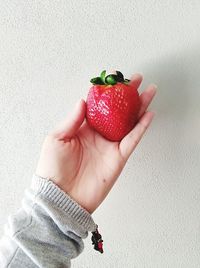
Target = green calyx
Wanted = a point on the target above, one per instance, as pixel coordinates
(110, 79)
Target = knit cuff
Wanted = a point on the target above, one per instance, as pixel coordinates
(50, 191)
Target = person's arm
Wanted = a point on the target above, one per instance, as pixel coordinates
(47, 231)
(76, 170)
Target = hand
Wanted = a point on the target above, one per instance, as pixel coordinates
(83, 163)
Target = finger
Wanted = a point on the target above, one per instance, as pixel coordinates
(68, 127)
(136, 80)
(146, 97)
(130, 141)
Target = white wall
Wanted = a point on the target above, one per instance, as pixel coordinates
(48, 52)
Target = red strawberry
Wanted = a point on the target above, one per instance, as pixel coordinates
(112, 105)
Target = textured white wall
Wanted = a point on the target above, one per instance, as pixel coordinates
(48, 52)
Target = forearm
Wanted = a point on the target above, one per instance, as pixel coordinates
(47, 231)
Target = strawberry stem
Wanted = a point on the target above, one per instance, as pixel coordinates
(110, 79)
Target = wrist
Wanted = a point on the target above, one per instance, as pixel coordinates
(79, 217)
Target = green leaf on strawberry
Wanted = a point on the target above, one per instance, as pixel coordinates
(97, 81)
(120, 77)
(103, 76)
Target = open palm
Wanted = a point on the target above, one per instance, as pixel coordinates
(82, 162)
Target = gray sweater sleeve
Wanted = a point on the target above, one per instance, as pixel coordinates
(47, 231)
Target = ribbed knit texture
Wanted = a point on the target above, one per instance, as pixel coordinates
(47, 231)
(45, 187)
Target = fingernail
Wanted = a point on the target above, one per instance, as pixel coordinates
(136, 76)
(154, 85)
(152, 88)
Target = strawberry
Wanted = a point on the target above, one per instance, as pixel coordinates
(112, 105)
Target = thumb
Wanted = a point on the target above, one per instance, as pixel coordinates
(68, 127)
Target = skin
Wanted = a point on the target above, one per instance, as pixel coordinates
(83, 163)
